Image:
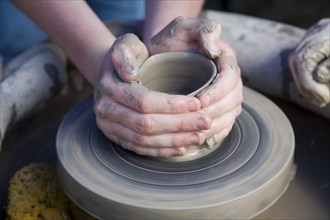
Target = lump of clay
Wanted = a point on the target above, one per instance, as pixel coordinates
(310, 64)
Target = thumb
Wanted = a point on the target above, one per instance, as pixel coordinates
(127, 54)
(204, 31)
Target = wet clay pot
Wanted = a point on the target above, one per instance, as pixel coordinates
(180, 73)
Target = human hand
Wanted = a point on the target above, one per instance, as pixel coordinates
(222, 100)
(310, 64)
(146, 122)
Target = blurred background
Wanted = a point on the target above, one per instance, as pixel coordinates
(301, 13)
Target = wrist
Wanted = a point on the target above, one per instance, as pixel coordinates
(95, 59)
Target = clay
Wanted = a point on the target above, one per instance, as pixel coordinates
(322, 72)
(307, 62)
(180, 73)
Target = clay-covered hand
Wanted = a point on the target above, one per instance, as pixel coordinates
(222, 100)
(310, 64)
(146, 122)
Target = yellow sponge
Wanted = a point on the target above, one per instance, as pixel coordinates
(34, 194)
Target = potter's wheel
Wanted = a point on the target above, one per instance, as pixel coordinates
(245, 175)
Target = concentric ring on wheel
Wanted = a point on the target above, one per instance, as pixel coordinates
(250, 170)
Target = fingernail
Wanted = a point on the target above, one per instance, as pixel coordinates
(192, 106)
(201, 124)
(130, 73)
(194, 139)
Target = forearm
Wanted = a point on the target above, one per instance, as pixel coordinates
(76, 29)
(161, 13)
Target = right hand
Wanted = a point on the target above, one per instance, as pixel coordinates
(146, 122)
(222, 99)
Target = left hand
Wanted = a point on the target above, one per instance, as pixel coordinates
(221, 100)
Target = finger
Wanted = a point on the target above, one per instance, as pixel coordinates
(152, 124)
(227, 79)
(128, 54)
(222, 125)
(185, 33)
(167, 140)
(227, 104)
(217, 138)
(209, 38)
(137, 97)
(205, 31)
(148, 151)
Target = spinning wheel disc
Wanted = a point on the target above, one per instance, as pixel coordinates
(245, 175)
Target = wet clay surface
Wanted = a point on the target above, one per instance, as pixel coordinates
(180, 73)
(177, 73)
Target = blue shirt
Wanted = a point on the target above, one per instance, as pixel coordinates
(18, 32)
